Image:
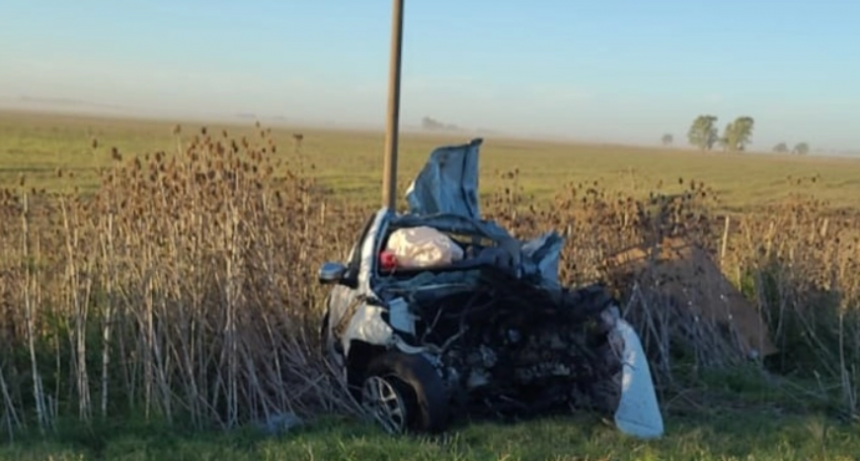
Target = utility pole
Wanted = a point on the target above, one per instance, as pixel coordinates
(392, 126)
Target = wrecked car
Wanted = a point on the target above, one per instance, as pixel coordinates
(437, 313)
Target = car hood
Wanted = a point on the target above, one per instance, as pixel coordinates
(448, 183)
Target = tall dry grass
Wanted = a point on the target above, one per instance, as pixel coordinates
(798, 262)
(184, 289)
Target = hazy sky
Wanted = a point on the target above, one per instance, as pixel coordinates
(610, 69)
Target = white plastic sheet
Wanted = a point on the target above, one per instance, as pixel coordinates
(422, 247)
(638, 413)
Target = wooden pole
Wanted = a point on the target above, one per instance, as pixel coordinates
(392, 126)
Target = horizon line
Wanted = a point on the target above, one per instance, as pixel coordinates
(86, 109)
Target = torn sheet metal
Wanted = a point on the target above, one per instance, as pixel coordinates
(545, 252)
(448, 184)
(367, 325)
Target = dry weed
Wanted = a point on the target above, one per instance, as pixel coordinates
(185, 287)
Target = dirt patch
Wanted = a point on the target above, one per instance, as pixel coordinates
(688, 276)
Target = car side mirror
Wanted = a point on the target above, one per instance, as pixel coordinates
(331, 273)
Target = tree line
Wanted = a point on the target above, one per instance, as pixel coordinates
(800, 148)
(736, 136)
(429, 123)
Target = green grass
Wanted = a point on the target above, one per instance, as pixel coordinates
(350, 163)
(724, 435)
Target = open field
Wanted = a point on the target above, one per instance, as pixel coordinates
(350, 163)
(181, 287)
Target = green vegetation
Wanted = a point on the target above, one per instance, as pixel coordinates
(178, 284)
(801, 148)
(703, 132)
(715, 435)
(738, 134)
(349, 163)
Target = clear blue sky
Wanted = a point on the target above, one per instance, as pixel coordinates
(611, 69)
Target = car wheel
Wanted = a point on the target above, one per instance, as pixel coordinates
(403, 393)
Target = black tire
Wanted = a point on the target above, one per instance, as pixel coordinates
(418, 384)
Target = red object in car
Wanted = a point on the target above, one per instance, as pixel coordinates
(387, 260)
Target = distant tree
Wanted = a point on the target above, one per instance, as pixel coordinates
(801, 148)
(781, 148)
(429, 123)
(703, 132)
(667, 139)
(738, 134)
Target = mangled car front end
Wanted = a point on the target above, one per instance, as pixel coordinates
(438, 312)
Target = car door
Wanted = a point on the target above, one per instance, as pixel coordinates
(343, 295)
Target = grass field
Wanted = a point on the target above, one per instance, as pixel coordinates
(119, 304)
(350, 163)
(722, 435)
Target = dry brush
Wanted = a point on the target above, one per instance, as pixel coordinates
(185, 289)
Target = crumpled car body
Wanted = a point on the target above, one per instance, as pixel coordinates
(491, 332)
